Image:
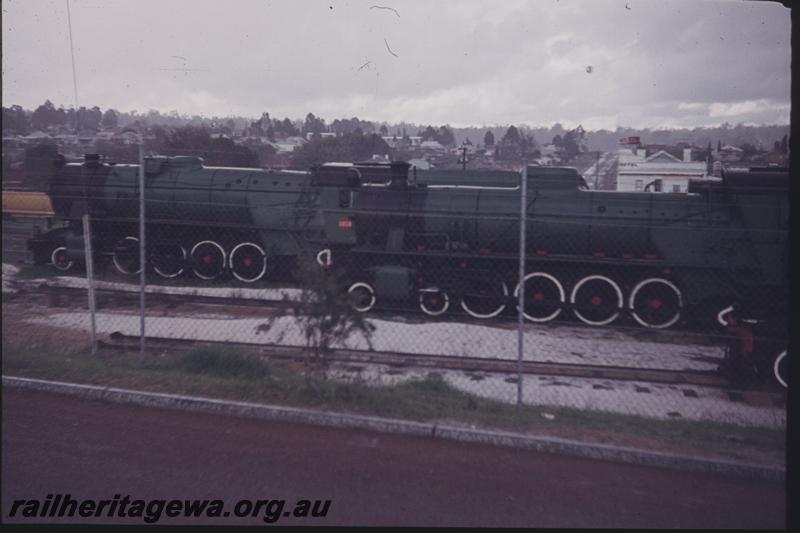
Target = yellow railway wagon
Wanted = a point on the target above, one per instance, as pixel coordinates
(27, 204)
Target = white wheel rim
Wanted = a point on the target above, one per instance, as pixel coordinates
(115, 259)
(360, 284)
(433, 312)
(494, 313)
(263, 262)
(643, 322)
(620, 301)
(55, 263)
(775, 368)
(721, 316)
(221, 251)
(561, 296)
(328, 258)
(168, 275)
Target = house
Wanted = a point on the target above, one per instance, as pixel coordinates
(421, 164)
(729, 154)
(392, 140)
(433, 146)
(459, 150)
(323, 135)
(660, 172)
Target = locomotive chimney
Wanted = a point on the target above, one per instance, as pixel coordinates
(399, 176)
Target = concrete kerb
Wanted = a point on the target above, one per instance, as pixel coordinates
(403, 427)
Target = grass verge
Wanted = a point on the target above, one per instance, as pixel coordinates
(236, 374)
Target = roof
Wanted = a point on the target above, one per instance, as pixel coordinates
(662, 156)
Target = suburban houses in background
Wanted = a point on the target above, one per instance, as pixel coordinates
(634, 162)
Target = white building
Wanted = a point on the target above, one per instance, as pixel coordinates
(432, 145)
(421, 164)
(661, 172)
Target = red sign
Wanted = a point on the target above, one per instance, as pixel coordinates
(345, 223)
(629, 140)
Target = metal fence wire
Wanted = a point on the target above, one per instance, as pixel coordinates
(649, 304)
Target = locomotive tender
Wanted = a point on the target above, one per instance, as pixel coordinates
(432, 238)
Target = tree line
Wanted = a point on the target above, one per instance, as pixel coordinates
(357, 137)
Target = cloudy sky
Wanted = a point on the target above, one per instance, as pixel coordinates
(600, 63)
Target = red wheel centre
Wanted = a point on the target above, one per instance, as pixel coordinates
(597, 300)
(248, 261)
(655, 303)
(538, 296)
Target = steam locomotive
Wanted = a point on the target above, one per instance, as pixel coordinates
(430, 238)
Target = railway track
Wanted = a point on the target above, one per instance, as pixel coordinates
(754, 397)
(35, 292)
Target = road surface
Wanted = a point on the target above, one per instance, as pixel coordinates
(59, 444)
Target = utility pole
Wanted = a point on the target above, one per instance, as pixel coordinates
(74, 77)
(523, 203)
(464, 158)
(142, 262)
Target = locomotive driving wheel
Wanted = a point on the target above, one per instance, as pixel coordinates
(362, 296)
(485, 298)
(126, 256)
(780, 369)
(208, 259)
(433, 301)
(596, 300)
(169, 260)
(656, 303)
(544, 297)
(248, 262)
(60, 259)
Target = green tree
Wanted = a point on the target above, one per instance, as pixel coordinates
(488, 138)
(350, 147)
(313, 125)
(197, 141)
(428, 134)
(511, 137)
(325, 317)
(109, 119)
(44, 116)
(285, 128)
(15, 120)
(445, 137)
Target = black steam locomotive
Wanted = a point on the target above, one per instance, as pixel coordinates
(435, 238)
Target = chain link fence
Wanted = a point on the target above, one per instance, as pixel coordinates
(635, 304)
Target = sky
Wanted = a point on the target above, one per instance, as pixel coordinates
(598, 63)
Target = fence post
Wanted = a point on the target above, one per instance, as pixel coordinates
(142, 256)
(521, 284)
(87, 248)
